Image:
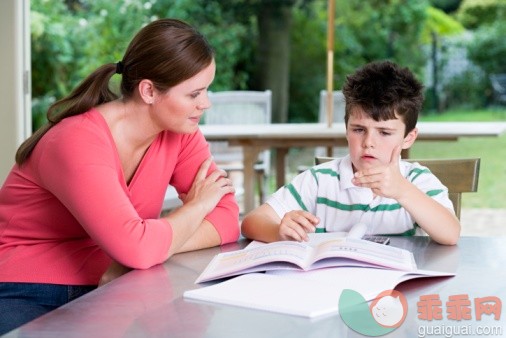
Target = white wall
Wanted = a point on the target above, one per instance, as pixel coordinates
(15, 80)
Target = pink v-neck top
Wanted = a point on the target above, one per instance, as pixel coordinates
(67, 211)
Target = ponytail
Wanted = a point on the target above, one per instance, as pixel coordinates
(94, 90)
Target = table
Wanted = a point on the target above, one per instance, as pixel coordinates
(281, 137)
(149, 303)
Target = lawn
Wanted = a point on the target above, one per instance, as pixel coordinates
(492, 151)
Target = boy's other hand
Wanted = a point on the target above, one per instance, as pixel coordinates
(384, 180)
(296, 224)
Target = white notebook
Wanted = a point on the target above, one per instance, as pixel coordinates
(312, 294)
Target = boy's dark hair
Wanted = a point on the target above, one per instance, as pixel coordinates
(382, 89)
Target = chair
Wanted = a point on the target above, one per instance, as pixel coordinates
(338, 116)
(339, 106)
(458, 175)
(234, 107)
(240, 107)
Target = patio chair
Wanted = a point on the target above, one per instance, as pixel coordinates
(240, 107)
(338, 116)
(234, 108)
(339, 105)
(458, 175)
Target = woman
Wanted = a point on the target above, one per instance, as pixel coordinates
(87, 189)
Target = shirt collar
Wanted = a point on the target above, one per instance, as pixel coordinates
(346, 173)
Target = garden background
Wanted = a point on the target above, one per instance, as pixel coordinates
(452, 45)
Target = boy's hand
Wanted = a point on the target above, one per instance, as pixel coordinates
(385, 180)
(296, 224)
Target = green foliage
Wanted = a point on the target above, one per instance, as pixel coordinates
(106, 31)
(364, 31)
(488, 49)
(469, 115)
(473, 13)
(70, 39)
(439, 23)
(307, 66)
(492, 150)
(232, 39)
(54, 55)
(466, 90)
(447, 6)
(386, 30)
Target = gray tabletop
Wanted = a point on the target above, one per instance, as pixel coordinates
(149, 303)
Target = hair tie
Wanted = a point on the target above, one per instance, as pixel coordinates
(119, 67)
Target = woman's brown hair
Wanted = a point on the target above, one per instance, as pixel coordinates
(166, 51)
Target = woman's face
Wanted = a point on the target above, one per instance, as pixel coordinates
(180, 108)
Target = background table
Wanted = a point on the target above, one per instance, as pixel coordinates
(281, 137)
(149, 303)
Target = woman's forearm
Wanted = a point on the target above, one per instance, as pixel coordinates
(205, 236)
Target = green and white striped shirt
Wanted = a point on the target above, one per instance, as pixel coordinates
(327, 192)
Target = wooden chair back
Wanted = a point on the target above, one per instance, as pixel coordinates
(459, 175)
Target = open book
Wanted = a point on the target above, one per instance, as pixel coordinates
(321, 252)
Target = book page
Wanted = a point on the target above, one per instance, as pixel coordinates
(314, 239)
(322, 250)
(366, 252)
(276, 255)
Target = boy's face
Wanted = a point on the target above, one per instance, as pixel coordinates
(371, 143)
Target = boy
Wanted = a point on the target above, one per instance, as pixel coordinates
(371, 185)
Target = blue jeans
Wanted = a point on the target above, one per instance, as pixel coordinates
(22, 302)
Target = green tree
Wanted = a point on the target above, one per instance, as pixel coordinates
(260, 44)
(474, 13)
(365, 31)
(488, 49)
(232, 38)
(438, 24)
(447, 6)
(72, 38)
(308, 61)
(54, 55)
(270, 24)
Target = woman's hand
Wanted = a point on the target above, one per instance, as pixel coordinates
(114, 271)
(208, 191)
(296, 224)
